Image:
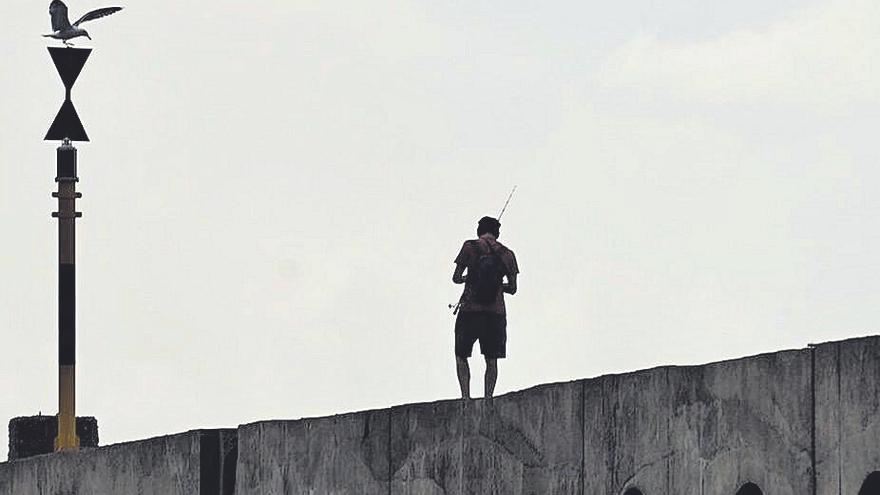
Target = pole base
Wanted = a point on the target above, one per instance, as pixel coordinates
(35, 435)
(67, 443)
(67, 439)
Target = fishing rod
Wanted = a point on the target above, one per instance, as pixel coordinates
(455, 307)
(506, 203)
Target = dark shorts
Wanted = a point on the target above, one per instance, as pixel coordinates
(489, 328)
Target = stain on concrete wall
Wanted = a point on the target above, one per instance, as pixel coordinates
(218, 461)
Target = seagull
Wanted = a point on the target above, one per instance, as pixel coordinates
(61, 27)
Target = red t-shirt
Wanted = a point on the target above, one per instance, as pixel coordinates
(469, 256)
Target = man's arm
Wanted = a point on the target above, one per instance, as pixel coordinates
(510, 286)
(457, 275)
(461, 262)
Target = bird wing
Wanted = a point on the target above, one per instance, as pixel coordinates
(96, 14)
(58, 13)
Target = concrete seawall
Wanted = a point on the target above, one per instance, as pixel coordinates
(801, 422)
(185, 464)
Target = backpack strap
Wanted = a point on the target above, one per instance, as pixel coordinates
(488, 247)
(494, 252)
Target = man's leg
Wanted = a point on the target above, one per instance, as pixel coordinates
(494, 347)
(464, 376)
(464, 345)
(491, 377)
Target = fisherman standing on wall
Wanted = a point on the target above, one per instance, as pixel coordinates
(481, 312)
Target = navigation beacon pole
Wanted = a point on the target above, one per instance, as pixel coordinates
(66, 128)
(66, 214)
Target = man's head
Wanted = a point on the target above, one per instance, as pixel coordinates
(489, 225)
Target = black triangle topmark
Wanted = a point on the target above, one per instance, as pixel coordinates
(69, 62)
(66, 125)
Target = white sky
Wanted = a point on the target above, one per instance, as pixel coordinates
(275, 191)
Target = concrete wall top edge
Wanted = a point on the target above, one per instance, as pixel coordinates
(317, 418)
(437, 403)
(78, 417)
(197, 431)
(129, 443)
(598, 378)
(763, 355)
(851, 340)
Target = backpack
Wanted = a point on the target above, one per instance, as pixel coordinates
(486, 279)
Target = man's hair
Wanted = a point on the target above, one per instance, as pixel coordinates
(489, 225)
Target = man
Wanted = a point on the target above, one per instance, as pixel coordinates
(481, 312)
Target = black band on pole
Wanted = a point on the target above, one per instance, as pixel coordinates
(66, 314)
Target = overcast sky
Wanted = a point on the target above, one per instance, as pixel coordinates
(275, 191)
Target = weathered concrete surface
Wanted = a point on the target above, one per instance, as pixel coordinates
(346, 454)
(701, 430)
(626, 432)
(847, 414)
(526, 442)
(756, 424)
(35, 435)
(674, 430)
(426, 448)
(185, 464)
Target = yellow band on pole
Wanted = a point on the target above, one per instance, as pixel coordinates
(66, 439)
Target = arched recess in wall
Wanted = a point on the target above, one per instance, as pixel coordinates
(871, 485)
(633, 491)
(749, 489)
